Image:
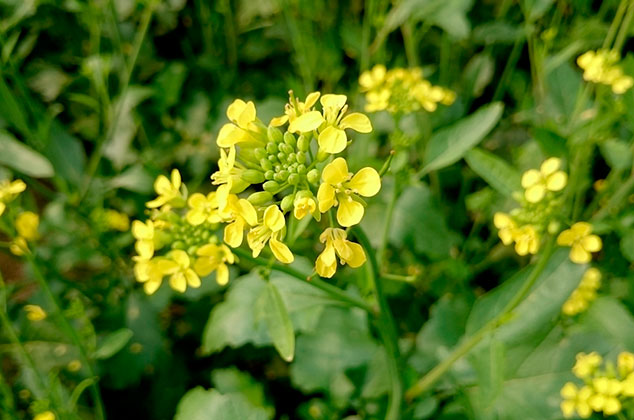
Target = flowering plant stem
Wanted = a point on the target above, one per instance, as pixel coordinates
(70, 331)
(334, 292)
(437, 372)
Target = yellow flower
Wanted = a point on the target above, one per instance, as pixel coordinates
(270, 230)
(605, 399)
(506, 227)
(242, 115)
(144, 234)
(581, 241)
(526, 240)
(228, 177)
(295, 109)
(212, 257)
(622, 84)
(628, 385)
(46, 415)
(586, 364)
(625, 363)
(377, 100)
(150, 272)
(9, 190)
(168, 191)
(371, 79)
(576, 400)
(117, 221)
(584, 294)
(340, 188)
(332, 139)
(428, 96)
(26, 224)
(181, 275)
(337, 245)
(19, 246)
(600, 67)
(548, 178)
(238, 214)
(74, 366)
(202, 209)
(34, 312)
(304, 205)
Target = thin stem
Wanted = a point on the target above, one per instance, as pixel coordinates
(387, 330)
(68, 329)
(380, 255)
(615, 24)
(616, 199)
(365, 35)
(437, 372)
(625, 26)
(334, 292)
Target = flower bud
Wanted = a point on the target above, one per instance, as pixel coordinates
(300, 157)
(321, 156)
(266, 164)
(281, 156)
(271, 186)
(292, 168)
(271, 148)
(286, 148)
(303, 143)
(291, 158)
(260, 153)
(178, 245)
(313, 176)
(281, 176)
(289, 139)
(252, 176)
(260, 198)
(301, 168)
(287, 202)
(268, 175)
(272, 158)
(303, 194)
(294, 179)
(274, 134)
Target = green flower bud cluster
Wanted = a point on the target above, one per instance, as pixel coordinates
(187, 237)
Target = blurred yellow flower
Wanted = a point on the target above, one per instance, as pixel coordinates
(19, 246)
(586, 364)
(625, 363)
(526, 240)
(203, 209)
(168, 190)
(34, 313)
(581, 241)
(576, 400)
(181, 273)
(213, 257)
(8, 191)
(116, 220)
(150, 272)
(270, 230)
(26, 225)
(506, 227)
(584, 294)
(605, 397)
(548, 178)
(337, 245)
(601, 67)
(46, 415)
(144, 234)
(340, 188)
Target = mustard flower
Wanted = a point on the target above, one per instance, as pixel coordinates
(625, 363)
(584, 294)
(228, 177)
(296, 108)
(151, 271)
(116, 220)
(506, 227)
(606, 395)
(242, 115)
(270, 229)
(576, 400)
(34, 312)
(548, 178)
(203, 209)
(628, 385)
(213, 257)
(579, 237)
(337, 245)
(238, 214)
(144, 234)
(19, 246)
(45, 415)
(340, 188)
(600, 67)
(526, 240)
(305, 204)
(586, 364)
(8, 191)
(26, 225)
(372, 79)
(428, 96)
(181, 273)
(168, 190)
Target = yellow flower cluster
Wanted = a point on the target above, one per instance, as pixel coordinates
(584, 294)
(525, 225)
(401, 90)
(601, 67)
(606, 388)
(292, 173)
(9, 190)
(26, 223)
(581, 242)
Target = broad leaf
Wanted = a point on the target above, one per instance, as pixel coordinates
(494, 170)
(272, 310)
(200, 404)
(22, 158)
(112, 343)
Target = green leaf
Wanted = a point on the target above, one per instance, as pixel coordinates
(231, 380)
(617, 153)
(272, 310)
(451, 143)
(66, 153)
(201, 404)
(627, 245)
(22, 158)
(494, 170)
(612, 319)
(112, 343)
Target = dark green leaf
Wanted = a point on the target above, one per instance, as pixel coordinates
(494, 170)
(112, 343)
(22, 158)
(272, 310)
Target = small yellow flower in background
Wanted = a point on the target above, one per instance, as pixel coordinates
(46, 415)
(526, 240)
(168, 190)
(601, 67)
(116, 220)
(340, 188)
(579, 237)
(373, 78)
(270, 230)
(150, 272)
(203, 209)
(181, 273)
(606, 395)
(506, 227)
(337, 245)
(9, 190)
(26, 225)
(576, 401)
(625, 363)
(34, 312)
(74, 366)
(586, 364)
(548, 178)
(238, 214)
(584, 294)
(242, 115)
(212, 257)
(144, 234)
(19, 246)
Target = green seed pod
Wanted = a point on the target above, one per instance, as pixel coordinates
(266, 164)
(271, 148)
(289, 139)
(321, 156)
(301, 168)
(271, 186)
(281, 176)
(300, 157)
(303, 143)
(261, 197)
(268, 175)
(260, 153)
(274, 134)
(294, 179)
(287, 202)
(252, 176)
(313, 176)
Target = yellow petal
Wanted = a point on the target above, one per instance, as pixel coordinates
(579, 255)
(229, 135)
(2, 207)
(333, 102)
(502, 220)
(366, 182)
(581, 229)
(307, 122)
(521, 247)
(162, 185)
(180, 257)
(550, 166)
(274, 218)
(557, 181)
(335, 172)
(311, 99)
(569, 391)
(325, 197)
(535, 193)
(592, 243)
(356, 121)
(350, 212)
(357, 259)
(248, 212)
(568, 408)
(151, 286)
(278, 121)
(178, 282)
(176, 179)
(281, 251)
(145, 248)
(192, 278)
(204, 266)
(16, 187)
(234, 233)
(332, 140)
(222, 275)
(566, 238)
(530, 178)
(241, 113)
(326, 263)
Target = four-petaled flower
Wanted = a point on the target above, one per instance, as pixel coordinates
(586, 364)
(180, 271)
(168, 190)
(295, 110)
(605, 396)
(144, 235)
(238, 214)
(270, 229)
(576, 400)
(203, 209)
(547, 178)
(340, 188)
(579, 237)
(337, 245)
(214, 257)
(305, 205)
(8, 191)
(242, 116)
(228, 177)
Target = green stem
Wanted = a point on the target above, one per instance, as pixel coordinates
(615, 24)
(380, 255)
(365, 35)
(625, 26)
(387, 330)
(70, 331)
(616, 199)
(333, 291)
(439, 370)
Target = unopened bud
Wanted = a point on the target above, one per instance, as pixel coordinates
(271, 186)
(252, 176)
(274, 134)
(294, 179)
(313, 176)
(287, 202)
(303, 143)
(271, 148)
(261, 197)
